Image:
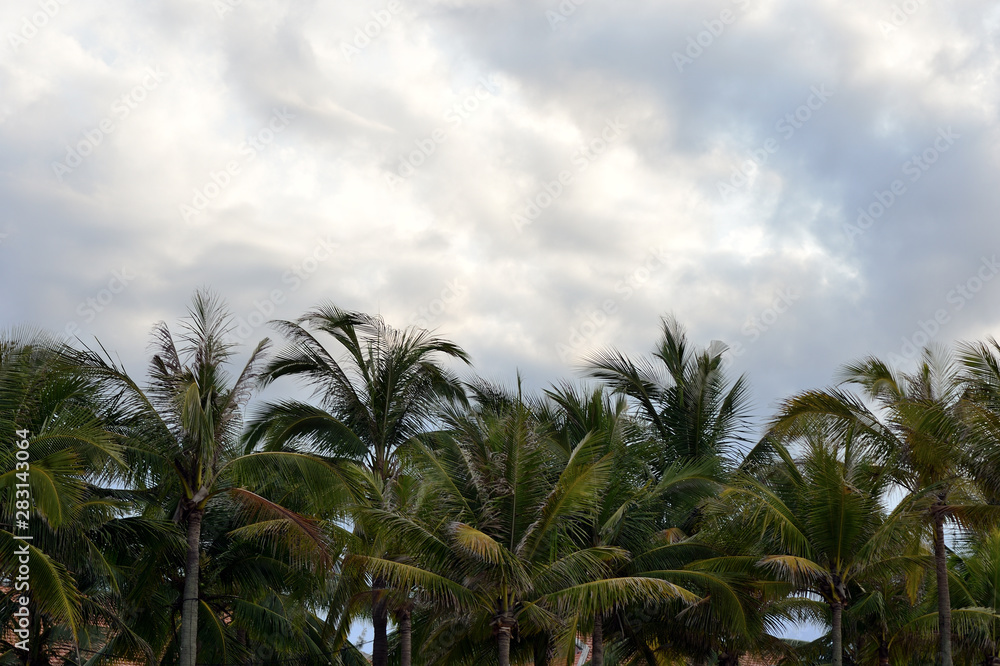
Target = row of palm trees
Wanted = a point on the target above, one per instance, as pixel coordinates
(177, 519)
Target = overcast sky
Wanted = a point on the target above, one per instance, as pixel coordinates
(807, 182)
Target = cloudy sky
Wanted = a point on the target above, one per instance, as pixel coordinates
(806, 181)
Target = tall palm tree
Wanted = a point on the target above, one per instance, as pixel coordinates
(637, 510)
(183, 441)
(683, 393)
(980, 407)
(820, 517)
(697, 417)
(595, 415)
(499, 539)
(55, 480)
(376, 391)
(922, 433)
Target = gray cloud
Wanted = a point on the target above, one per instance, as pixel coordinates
(526, 295)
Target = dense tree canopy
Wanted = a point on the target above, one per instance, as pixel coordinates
(631, 517)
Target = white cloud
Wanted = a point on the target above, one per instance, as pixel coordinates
(654, 186)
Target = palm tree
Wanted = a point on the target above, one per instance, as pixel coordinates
(76, 523)
(637, 510)
(257, 585)
(372, 538)
(978, 569)
(980, 408)
(377, 394)
(697, 419)
(596, 415)
(977, 574)
(900, 610)
(684, 395)
(183, 439)
(742, 607)
(887, 617)
(820, 518)
(498, 538)
(926, 438)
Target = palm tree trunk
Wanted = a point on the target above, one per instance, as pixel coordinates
(883, 651)
(405, 638)
(597, 642)
(189, 602)
(503, 643)
(837, 633)
(380, 620)
(944, 596)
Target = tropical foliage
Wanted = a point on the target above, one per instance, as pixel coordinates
(631, 518)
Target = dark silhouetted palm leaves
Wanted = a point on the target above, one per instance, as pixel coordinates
(77, 525)
(921, 435)
(504, 538)
(491, 527)
(683, 393)
(818, 512)
(182, 443)
(376, 391)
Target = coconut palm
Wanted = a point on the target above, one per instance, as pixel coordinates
(498, 541)
(372, 538)
(74, 522)
(375, 392)
(977, 569)
(888, 605)
(742, 607)
(977, 579)
(182, 437)
(638, 509)
(896, 619)
(619, 517)
(696, 417)
(820, 517)
(922, 432)
(683, 393)
(980, 408)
